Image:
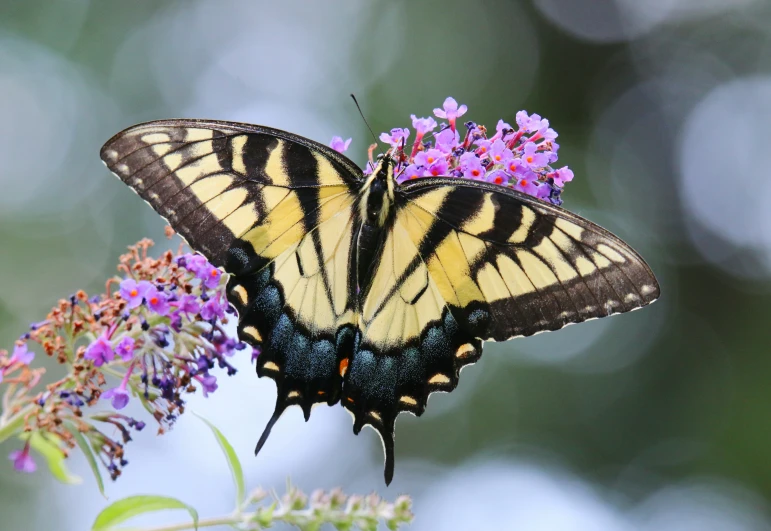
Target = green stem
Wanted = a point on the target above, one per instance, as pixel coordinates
(13, 424)
(206, 522)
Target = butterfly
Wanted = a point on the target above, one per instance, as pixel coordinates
(360, 290)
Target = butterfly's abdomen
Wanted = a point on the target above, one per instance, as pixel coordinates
(368, 243)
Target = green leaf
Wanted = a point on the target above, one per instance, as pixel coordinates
(120, 511)
(235, 465)
(50, 448)
(85, 447)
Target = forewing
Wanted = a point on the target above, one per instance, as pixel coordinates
(275, 211)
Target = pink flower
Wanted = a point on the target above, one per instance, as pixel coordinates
(499, 153)
(125, 348)
(338, 144)
(527, 184)
(447, 140)
(21, 354)
(422, 125)
(397, 138)
(120, 395)
(497, 177)
(429, 157)
(157, 301)
(472, 167)
(412, 171)
(450, 111)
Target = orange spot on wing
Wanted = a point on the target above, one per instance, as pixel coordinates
(343, 366)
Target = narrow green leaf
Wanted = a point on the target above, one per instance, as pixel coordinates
(85, 447)
(120, 511)
(50, 449)
(236, 470)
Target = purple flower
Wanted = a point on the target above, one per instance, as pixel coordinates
(562, 176)
(120, 395)
(500, 127)
(472, 166)
(484, 147)
(412, 171)
(534, 159)
(532, 123)
(188, 304)
(208, 384)
(515, 166)
(497, 177)
(157, 301)
(133, 292)
(22, 461)
(213, 308)
(195, 262)
(447, 140)
(528, 184)
(21, 354)
(429, 157)
(437, 169)
(100, 351)
(543, 191)
(499, 153)
(209, 275)
(450, 111)
(396, 138)
(422, 126)
(338, 144)
(125, 348)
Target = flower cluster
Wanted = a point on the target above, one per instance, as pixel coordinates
(157, 331)
(519, 157)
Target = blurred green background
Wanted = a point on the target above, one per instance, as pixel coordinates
(658, 419)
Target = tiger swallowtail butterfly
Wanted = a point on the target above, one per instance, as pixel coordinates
(358, 289)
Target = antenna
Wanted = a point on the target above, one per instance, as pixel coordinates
(365, 120)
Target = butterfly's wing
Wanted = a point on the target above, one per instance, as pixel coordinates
(276, 211)
(465, 261)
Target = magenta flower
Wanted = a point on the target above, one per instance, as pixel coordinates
(157, 301)
(499, 153)
(21, 355)
(543, 191)
(338, 144)
(450, 111)
(397, 138)
(133, 292)
(125, 348)
(22, 461)
(412, 171)
(534, 159)
(562, 176)
(429, 157)
(422, 126)
(497, 177)
(100, 351)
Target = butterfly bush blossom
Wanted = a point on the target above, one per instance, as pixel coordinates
(155, 336)
(520, 157)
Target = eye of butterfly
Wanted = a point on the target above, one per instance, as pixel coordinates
(362, 291)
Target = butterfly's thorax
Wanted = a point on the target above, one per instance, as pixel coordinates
(376, 201)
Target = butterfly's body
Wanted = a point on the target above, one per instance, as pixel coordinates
(360, 290)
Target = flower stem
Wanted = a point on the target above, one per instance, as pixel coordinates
(206, 522)
(11, 425)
